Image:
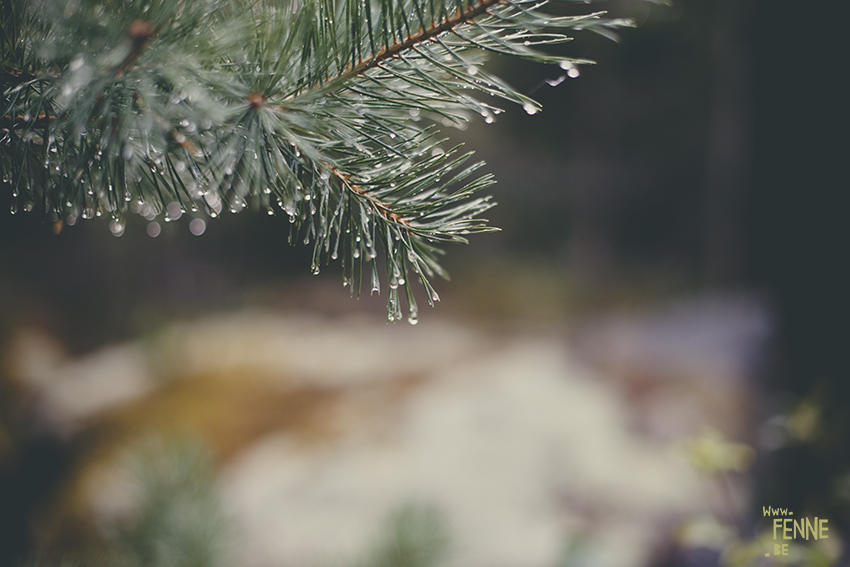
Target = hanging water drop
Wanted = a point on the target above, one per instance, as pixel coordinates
(376, 284)
(197, 227)
(116, 228)
(173, 211)
(529, 108)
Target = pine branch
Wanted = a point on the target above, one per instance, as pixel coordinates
(318, 109)
(411, 41)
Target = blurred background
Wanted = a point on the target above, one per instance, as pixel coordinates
(643, 359)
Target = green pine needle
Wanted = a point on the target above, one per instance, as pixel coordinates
(318, 110)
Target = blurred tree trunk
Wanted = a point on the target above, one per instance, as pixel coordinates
(729, 155)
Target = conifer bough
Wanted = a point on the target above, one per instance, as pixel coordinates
(320, 110)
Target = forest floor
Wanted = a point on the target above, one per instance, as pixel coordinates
(539, 443)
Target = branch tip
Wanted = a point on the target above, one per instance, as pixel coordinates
(256, 100)
(140, 30)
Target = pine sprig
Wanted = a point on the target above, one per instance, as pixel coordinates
(322, 110)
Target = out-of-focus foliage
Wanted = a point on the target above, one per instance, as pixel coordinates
(177, 520)
(414, 536)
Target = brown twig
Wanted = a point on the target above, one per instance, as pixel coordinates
(386, 52)
(379, 205)
(140, 33)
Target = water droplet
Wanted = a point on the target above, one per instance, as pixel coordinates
(76, 63)
(153, 229)
(173, 211)
(529, 108)
(556, 82)
(197, 227)
(573, 73)
(116, 228)
(315, 269)
(413, 318)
